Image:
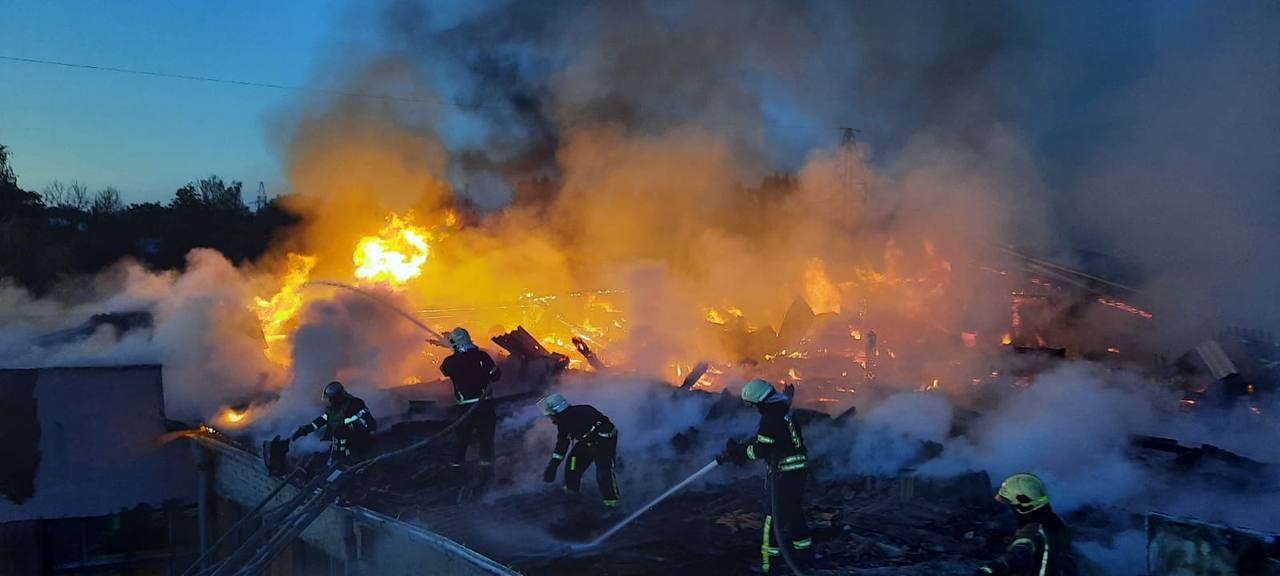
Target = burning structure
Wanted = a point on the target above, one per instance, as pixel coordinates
(616, 227)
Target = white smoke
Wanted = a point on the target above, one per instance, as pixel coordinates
(204, 333)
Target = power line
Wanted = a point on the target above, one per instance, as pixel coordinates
(211, 79)
(273, 86)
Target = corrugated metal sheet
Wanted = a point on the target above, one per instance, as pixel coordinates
(1215, 359)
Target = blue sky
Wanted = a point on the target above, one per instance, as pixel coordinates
(148, 136)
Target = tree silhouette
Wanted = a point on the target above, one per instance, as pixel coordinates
(68, 232)
(73, 196)
(107, 201)
(13, 199)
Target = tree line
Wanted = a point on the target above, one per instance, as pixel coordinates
(66, 231)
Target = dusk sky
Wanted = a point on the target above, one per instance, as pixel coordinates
(147, 135)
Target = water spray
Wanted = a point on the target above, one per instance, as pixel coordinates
(629, 519)
(440, 339)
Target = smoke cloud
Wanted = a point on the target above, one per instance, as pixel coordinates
(687, 156)
(204, 332)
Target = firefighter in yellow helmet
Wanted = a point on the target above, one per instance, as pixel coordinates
(780, 443)
(1042, 544)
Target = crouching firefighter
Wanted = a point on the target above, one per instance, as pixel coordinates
(780, 443)
(595, 440)
(472, 370)
(1042, 544)
(347, 423)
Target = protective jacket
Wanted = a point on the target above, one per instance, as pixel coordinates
(471, 371)
(348, 426)
(1041, 547)
(780, 443)
(595, 441)
(579, 423)
(779, 440)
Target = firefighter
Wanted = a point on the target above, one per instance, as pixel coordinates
(348, 425)
(595, 440)
(780, 443)
(472, 371)
(1042, 544)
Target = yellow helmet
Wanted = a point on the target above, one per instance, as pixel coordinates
(1024, 491)
(756, 391)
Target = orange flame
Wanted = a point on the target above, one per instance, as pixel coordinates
(276, 315)
(395, 255)
(819, 291)
(232, 417)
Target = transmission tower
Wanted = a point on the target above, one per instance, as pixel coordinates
(261, 200)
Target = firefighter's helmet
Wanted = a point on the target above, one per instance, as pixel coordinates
(1024, 491)
(460, 339)
(333, 392)
(553, 404)
(757, 391)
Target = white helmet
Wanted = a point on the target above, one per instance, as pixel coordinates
(460, 339)
(757, 391)
(553, 404)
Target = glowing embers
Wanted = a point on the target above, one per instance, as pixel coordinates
(234, 416)
(396, 254)
(714, 316)
(1118, 305)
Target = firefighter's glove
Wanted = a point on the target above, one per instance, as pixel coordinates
(300, 432)
(733, 452)
(549, 475)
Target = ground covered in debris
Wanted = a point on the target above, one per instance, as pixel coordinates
(872, 526)
(897, 522)
(866, 525)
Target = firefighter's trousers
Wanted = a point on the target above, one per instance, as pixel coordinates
(787, 488)
(480, 427)
(598, 450)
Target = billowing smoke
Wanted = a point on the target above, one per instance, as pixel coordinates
(979, 127)
(202, 331)
(634, 146)
(1141, 130)
(357, 341)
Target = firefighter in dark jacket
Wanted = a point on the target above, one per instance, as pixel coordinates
(780, 443)
(1042, 544)
(595, 440)
(347, 423)
(472, 371)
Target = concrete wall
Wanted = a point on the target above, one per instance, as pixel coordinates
(369, 542)
(1188, 547)
(100, 443)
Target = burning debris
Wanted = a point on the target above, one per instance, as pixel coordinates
(609, 202)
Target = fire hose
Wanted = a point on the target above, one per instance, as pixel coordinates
(439, 338)
(773, 506)
(777, 532)
(280, 525)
